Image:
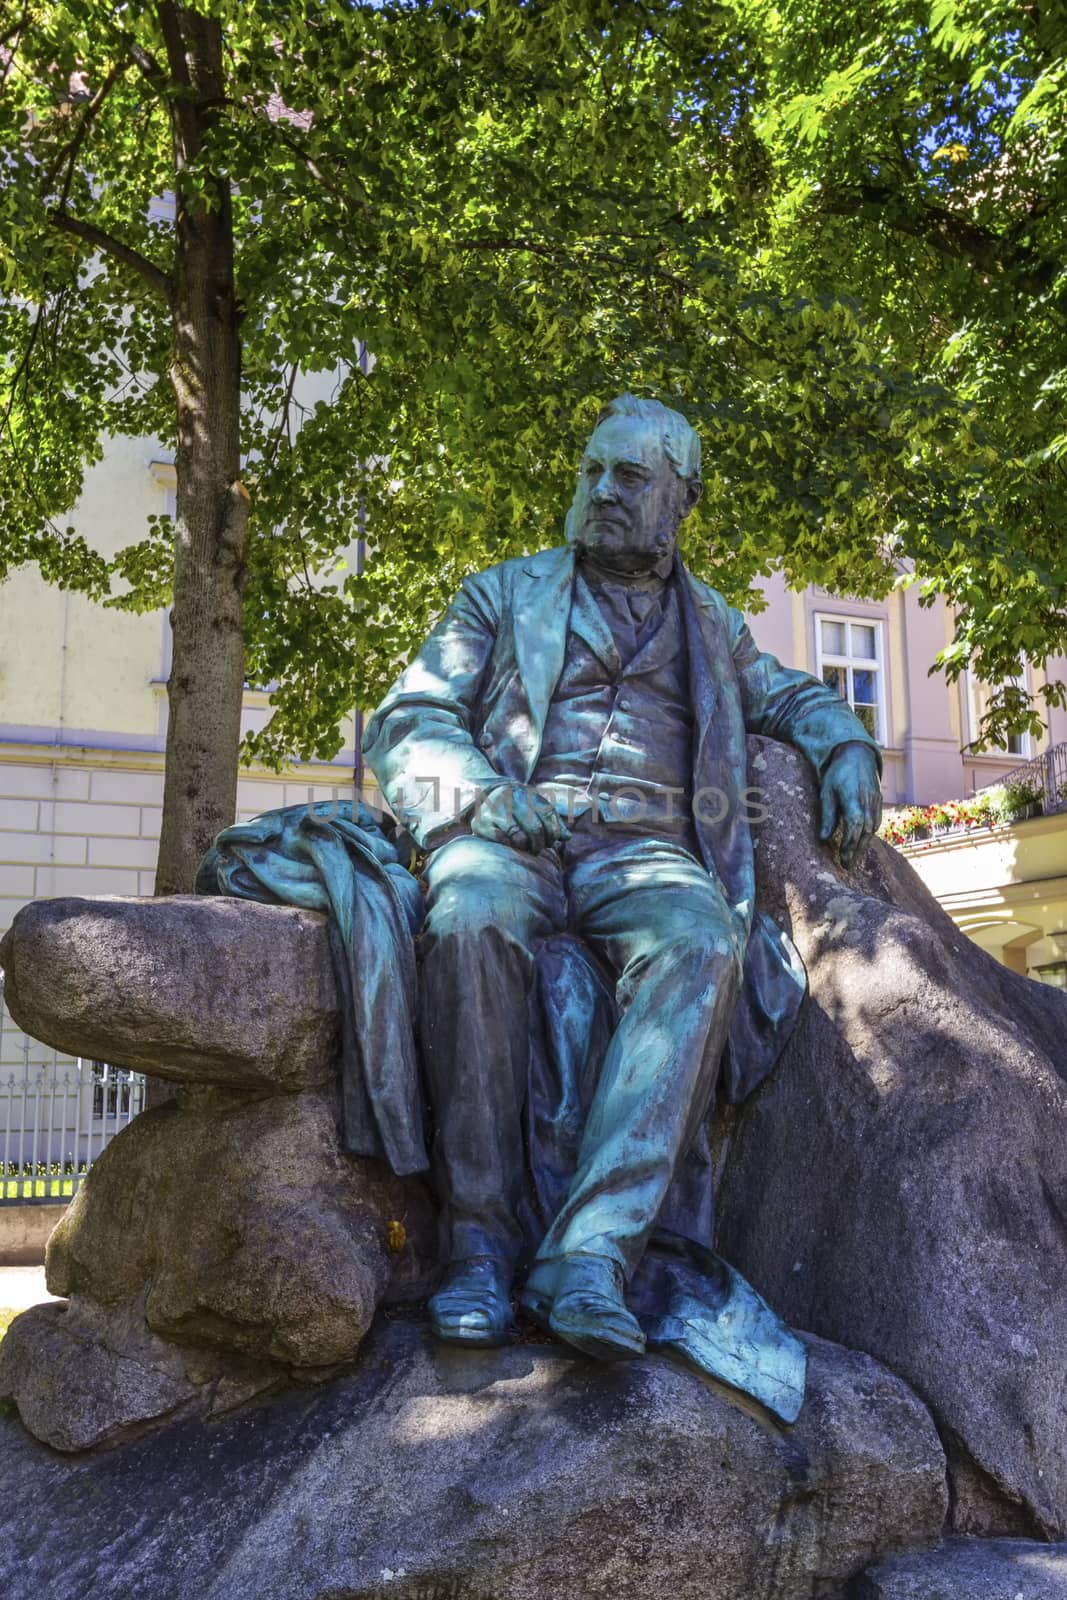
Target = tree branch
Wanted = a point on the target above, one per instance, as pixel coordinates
(145, 61)
(944, 231)
(174, 40)
(22, 369)
(184, 117)
(152, 275)
(8, 51)
(329, 184)
(69, 152)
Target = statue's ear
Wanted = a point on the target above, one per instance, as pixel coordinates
(694, 488)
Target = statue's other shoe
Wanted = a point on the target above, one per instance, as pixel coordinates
(588, 1309)
(472, 1306)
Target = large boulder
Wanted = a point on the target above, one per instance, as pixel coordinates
(518, 1474)
(899, 1184)
(245, 1227)
(82, 1374)
(971, 1569)
(220, 1236)
(198, 989)
(227, 1224)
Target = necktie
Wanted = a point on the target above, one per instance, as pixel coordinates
(632, 612)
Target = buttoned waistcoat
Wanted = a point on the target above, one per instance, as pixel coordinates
(622, 729)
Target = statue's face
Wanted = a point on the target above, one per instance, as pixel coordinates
(629, 500)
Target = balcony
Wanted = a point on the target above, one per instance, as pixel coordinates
(1005, 885)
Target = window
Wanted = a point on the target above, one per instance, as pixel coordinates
(978, 696)
(849, 656)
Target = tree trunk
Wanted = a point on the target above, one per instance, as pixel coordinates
(207, 671)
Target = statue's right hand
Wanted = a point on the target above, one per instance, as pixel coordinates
(519, 816)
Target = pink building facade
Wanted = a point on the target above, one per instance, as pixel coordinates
(879, 653)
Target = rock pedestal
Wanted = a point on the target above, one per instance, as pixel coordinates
(972, 1569)
(223, 1243)
(192, 988)
(895, 1186)
(899, 1183)
(518, 1474)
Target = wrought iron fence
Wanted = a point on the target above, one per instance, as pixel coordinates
(1047, 774)
(57, 1113)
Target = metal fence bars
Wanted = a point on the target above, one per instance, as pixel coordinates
(1045, 774)
(57, 1113)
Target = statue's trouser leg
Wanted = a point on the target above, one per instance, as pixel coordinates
(657, 918)
(488, 908)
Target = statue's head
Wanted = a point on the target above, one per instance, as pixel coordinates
(639, 477)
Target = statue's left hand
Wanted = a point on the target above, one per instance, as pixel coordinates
(851, 793)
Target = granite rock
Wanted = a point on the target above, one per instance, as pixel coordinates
(82, 1374)
(516, 1474)
(972, 1569)
(245, 1227)
(898, 1183)
(194, 988)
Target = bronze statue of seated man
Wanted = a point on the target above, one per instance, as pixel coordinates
(569, 748)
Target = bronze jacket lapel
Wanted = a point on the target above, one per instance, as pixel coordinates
(539, 615)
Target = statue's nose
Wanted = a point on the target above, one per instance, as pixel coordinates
(606, 489)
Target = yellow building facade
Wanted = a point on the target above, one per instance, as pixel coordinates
(83, 712)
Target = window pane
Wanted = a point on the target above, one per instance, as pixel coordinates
(863, 642)
(834, 677)
(833, 638)
(869, 717)
(865, 685)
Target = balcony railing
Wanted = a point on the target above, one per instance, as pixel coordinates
(1047, 774)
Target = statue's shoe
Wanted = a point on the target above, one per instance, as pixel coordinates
(586, 1307)
(472, 1306)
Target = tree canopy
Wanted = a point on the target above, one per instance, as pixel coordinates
(919, 157)
(831, 235)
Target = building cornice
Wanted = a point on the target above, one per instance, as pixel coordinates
(13, 752)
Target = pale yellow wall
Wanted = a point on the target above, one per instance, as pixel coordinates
(1005, 888)
(66, 663)
(88, 822)
(71, 669)
(83, 710)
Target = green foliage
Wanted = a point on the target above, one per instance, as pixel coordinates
(53, 1180)
(919, 158)
(758, 213)
(1010, 800)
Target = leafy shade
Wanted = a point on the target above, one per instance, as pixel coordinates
(918, 157)
(522, 210)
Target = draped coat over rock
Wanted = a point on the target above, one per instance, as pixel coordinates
(470, 710)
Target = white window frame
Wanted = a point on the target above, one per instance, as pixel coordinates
(974, 718)
(875, 664)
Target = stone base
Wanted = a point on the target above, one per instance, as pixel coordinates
(24, 1232)
(83, 1375)
(242, 1227)
(973, 1569)
(519, 1474)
